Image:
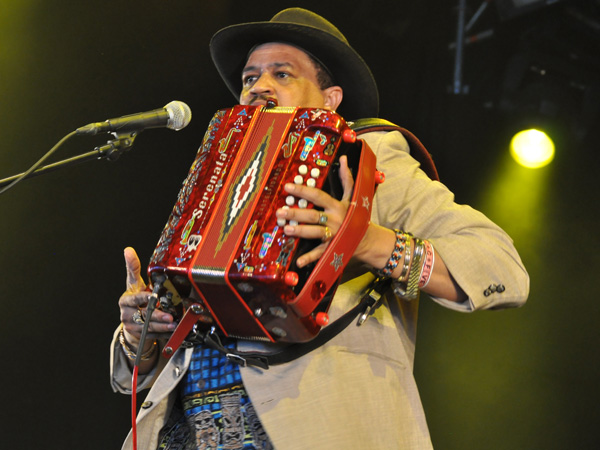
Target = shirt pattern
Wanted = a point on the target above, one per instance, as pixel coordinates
(217, 412)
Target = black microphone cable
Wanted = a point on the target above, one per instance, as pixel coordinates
(39, 162)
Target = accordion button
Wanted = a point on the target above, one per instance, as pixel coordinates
(281, 222)
(311, 182)
(379, 177)
(315, 172)
(302, 203)
(290, 200)
(303, 170)
(298, 179)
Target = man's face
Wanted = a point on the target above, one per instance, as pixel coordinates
(283, 73)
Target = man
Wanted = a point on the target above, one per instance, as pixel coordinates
(357, 390)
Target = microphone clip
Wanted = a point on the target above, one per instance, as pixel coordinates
(114, 148)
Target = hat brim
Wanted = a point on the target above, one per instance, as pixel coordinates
(230, 46)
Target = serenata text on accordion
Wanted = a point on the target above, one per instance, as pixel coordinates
(224, 246)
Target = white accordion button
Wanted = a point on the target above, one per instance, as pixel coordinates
(303, 170)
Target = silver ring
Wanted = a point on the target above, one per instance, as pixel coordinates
(322, 218)
(327, 235)
(137, 317)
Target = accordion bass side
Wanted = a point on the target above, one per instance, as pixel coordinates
(223, 245)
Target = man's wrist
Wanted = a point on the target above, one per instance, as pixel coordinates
(148, 349)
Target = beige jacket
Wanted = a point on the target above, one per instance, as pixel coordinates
(358, 390)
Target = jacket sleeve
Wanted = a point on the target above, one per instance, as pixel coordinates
(121, 374)
(480, 256)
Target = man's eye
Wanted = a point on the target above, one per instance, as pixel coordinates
(282, 74)
(248, 80)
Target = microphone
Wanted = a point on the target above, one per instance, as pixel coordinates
(175, 116)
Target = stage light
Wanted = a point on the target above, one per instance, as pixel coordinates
(532, 148)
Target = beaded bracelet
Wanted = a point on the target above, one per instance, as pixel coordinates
(130, 353)
(395, 257)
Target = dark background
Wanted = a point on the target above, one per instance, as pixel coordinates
(514, 379)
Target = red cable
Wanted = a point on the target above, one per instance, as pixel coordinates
(134, 406)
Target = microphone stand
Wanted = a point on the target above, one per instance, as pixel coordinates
(111, 151)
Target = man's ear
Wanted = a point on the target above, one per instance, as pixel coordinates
(333, 97)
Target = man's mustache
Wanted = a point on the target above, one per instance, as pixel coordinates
(269, 101)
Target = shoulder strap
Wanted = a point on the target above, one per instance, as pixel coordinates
(417, 149)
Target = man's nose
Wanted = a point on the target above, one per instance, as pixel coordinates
(263, 85)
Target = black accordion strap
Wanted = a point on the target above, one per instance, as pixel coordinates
(417, 149)
(368, 303)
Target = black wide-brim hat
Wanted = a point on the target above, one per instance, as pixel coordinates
(230, 48)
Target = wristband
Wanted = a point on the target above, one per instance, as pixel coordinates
(428, 263)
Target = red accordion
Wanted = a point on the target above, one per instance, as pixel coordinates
(224, 242)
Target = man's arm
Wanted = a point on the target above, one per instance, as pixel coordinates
(481, 254)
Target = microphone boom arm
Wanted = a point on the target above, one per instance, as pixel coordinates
(111, 151)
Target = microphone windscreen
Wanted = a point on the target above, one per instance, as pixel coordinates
(180, 115)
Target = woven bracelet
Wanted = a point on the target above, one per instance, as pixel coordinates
(396, 255)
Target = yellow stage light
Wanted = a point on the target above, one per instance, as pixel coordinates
(532, 148)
